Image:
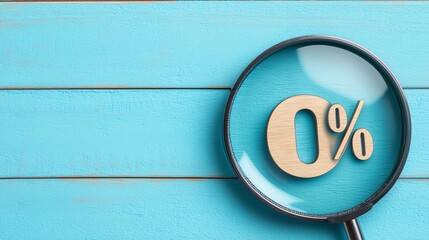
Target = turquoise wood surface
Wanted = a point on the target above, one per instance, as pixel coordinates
(112, 133)
(185, 209)
(189, 44)
(169, 140)
(136, 133)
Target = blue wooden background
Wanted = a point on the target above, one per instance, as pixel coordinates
(111, 116)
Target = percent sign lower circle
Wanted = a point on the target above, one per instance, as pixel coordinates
(281, 132)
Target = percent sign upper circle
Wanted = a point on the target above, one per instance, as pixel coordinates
(369, 121)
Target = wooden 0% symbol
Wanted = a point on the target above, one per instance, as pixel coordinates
(281, 135)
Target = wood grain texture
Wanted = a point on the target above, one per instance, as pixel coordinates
(337, 118)
(178, 209)
(362, 143)
(137, 133)
(198, 44)
(281, 136)
(347, 135)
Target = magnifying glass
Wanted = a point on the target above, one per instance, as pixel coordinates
(318, 128)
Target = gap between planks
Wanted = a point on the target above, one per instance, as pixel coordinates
(112, 88)
(148, 178)
(80, 1)
(101, 88)
(117, 177)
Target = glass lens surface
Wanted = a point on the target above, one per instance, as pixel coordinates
(341, 77)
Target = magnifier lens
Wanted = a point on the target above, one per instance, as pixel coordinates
(338, 76)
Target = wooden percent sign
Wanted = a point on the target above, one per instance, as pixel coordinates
(281, 137)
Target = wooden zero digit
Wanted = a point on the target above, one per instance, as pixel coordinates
(281, 137)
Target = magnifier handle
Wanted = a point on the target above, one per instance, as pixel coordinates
(353, 230)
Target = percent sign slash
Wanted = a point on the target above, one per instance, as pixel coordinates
(362, 142)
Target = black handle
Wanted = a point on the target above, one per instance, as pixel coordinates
(353, 230)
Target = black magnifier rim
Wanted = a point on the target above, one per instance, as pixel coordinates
(389, 78)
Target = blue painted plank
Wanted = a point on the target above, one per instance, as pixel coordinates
(198, 44)
(183, 209)
(112, 133)
(136, 133)
(418, 160)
